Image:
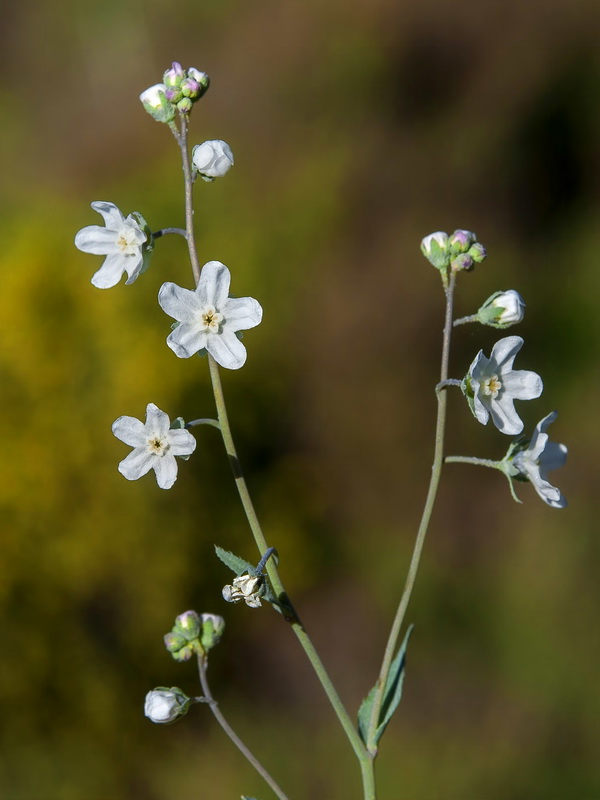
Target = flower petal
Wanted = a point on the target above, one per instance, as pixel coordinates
(227, 350)
(553, 457)
(110, 273)
(130, 430)
(504, 416)
(137, 463)
(166, 471)
(110, 213)
(480, 409)
(133, 267)
(504, 352)
(187, 339)
(157, 422)
(242, 313)
(522, 384)
(181, 304)
(96, 240)
(182, 442)
(478, 367)
(213, 286)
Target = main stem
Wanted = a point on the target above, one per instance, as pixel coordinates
(214, 707)
(285, 605)
(436, 470)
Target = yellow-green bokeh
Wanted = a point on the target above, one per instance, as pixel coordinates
(357, 128)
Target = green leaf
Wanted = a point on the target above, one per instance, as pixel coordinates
(391, 695)
(235, 563)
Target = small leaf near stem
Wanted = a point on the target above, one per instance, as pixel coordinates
(436, 470)
(205, 421)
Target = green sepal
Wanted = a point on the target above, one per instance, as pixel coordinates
(236, 564)
(438, 256)
(148, 245)
(391, 696)
(467, 390)
(164, 113)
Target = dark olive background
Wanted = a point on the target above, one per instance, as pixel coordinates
(357, 127)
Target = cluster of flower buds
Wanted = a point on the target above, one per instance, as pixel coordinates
(194, 633)
(179, 91)
(460, 251)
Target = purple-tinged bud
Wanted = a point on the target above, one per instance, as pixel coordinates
(173, 94)
(460, 241)
(201, 78)
(188, 624)
(462, 262)
(174, 76)
(185, 105)
(190, 88)
(477, 252)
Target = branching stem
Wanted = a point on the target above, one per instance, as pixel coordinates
(436, 470)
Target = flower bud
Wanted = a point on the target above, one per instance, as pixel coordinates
(201, 79)
(190, 88)
(212, 629)
(435, 249)
(461, 241)
(155, 102)
(174, 76)
(477, 252)
(212, 159)
(502, 309)
(185, 105)
(164, 706)
(188, 624)
(244, 587)
(462, 262)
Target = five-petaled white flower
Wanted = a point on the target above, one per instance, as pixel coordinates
(209, 318)
(124, 242)
(539, 457)
(212, 159)
(154, 444)
(491, 386)
(244, 587)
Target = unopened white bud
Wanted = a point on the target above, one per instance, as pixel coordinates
(212, 159)
(502, 309)
(164, 705)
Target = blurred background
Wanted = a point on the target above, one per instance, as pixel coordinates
(358, 127)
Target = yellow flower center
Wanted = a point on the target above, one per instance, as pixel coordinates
(211, 319)
(158, 445)
(491, 386)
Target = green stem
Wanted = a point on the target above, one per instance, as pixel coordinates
(436, 470)
(214, 707)
(285, 605)
(480, 462)
(464, 320)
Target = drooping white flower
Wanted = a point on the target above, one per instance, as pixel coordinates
(155, 446)
(491, 386)
(502, 309)
(164, 706)
(244, 587)
(126, 243)
(209, 318)
(539, 457)
(212, 159)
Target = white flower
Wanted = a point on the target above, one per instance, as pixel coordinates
(244, 587)
(212, 159)
(164, 705)
(121, 241)
(209, 318)
(154, 444)
(540, 457)
(152, 96)
(492, 385)
(502, 309)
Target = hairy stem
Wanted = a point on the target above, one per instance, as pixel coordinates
(284, 603)
(436, 470)
(480, 462)
(214, 707)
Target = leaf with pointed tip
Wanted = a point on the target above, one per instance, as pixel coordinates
(235, 563)
(391, 696)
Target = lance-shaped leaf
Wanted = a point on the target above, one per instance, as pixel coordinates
(391, 696)
(236, 564)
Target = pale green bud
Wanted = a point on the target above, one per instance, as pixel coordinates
(435, 249)
(212, 629)
(156, 103)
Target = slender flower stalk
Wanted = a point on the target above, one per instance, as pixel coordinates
(479, 462)
(288, 611)
(218, 715)
(436, 470)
